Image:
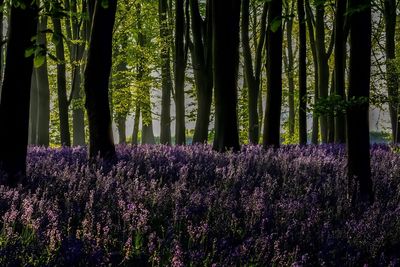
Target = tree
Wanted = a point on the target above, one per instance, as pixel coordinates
(77, 34)
(61, 82)
(42, 79)
(340, 57)
(272, 118)
(225, 29)
(392, 77)
(323, 56)
(302, 74)
(253, 74)
(97, 74)
(289, 64)
(166, 80)
(359, 166)
(15, 94)
(201, 52)
(180, 66)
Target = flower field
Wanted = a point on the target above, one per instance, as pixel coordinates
(191, 206)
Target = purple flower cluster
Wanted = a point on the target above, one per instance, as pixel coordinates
(181, 206)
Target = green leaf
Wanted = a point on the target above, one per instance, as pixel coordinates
(276, 24)
(104, 3)
(30, 51)
(39, 60)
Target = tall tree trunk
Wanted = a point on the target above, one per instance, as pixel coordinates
(180, 66)
(15, 99)
(136, 122)
(33, 111)
(302, 74)
(201, 51)
(340, 58)
(97, 75)
(142, 72)
(359, 166)
(392, 77)
(77, 49)
(310, 27)
(226, 28)
(166, 80)
(323, 67)
(253, 75)
(61, 84)
(289, 66)
(121, 125)
(1, 41)
(331, 115)
(272, 119)
(42, 79)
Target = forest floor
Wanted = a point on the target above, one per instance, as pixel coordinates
(182, 206)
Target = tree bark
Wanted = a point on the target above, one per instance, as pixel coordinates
(97, 75)
(392, 77)
(180, 66)
(15, 99)
(121, 125)
(340, 58)
(33, 111)
(226, 28)
(310, 27)
(62, 85)
(289, 62)
(253, 75)
(272, 119)
(42, 79)
(359, 166)
(323, 67)
(201, 51)
(77, 49)
(302, 74)
(166, 80)
(136, 122)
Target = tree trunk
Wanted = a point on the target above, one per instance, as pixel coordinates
(201, 51)
(310, 27)
(42, 78)
(323, 67)
(253, 76)
(76, 54)
(392, 77)
(290, 68)
(331, 115)
(61, 84)
(33, 111)
(166, 80)
(15, 99)
(340, 57)
(97, 75)
(142, 72)
(302, 74)
(226, 28)
(180, 66)
(272, 119)
(121, 125)
(359, 166)
(135, 133)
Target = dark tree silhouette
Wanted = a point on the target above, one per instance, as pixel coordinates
(97, 74)
(272, 119)
(15, 94)
(226, 20)
(359, 166)
(302, 74)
